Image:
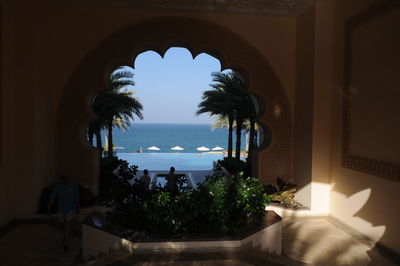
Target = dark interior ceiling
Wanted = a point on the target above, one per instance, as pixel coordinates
(278, 7)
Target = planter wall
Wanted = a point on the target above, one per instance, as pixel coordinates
(97, 242)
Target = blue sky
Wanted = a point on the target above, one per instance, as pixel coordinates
(170, 88)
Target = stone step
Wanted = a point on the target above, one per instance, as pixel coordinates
(107, 259)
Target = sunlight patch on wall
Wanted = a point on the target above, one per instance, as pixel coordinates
(319, 193)
(320, 198)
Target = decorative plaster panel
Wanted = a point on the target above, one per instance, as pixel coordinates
(359, 162)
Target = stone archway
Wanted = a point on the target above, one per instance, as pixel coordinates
(80, 160)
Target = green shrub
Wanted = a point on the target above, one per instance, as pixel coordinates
(234, 166)
(114, 188)
(220, 204)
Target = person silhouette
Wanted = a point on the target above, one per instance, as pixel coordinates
(67, 195)
(145, 179)
(171, 181)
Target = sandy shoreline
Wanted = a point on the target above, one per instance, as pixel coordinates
(222, 152)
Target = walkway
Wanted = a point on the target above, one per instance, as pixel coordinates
(37, 244)
(324, 241)
(316, 241)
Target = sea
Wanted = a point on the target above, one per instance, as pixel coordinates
(133, 145)
(141, 136)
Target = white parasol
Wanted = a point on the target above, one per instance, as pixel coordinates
(218, 148)
(202, 148)
(153, 148)
(177, 148)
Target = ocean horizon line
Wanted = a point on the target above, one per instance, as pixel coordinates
(168, 123)
(174, 152)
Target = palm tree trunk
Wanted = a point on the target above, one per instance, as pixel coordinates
(91, 134)
(230, 121)
(97, 133)
(251, 141)
(110, 138)
(239, 124)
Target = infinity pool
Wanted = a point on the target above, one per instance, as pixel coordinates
(163, 161)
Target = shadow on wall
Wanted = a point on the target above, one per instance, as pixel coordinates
(368, 204)
(350, 212)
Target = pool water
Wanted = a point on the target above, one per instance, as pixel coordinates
(163, 161)
(161, 180)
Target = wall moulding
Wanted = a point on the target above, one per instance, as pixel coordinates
(357, 162)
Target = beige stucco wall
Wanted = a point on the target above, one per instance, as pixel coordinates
(43, 43)
(367, 203)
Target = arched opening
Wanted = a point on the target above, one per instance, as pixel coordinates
(161, 114)
(77, 158)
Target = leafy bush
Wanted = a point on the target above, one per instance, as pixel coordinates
(115, 175)
(234, 166)
(220, 204)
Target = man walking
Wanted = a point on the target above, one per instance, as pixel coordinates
(67, 195)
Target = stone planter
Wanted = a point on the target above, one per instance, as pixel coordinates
(267, 237)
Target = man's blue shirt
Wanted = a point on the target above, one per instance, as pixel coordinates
(67, 196)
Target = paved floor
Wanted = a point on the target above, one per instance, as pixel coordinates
(322, 241)
(37, 244)
(314, 241)
(207, 257)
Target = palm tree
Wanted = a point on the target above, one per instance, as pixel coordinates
(222, 122)
(239, 118)
(214, 103)
(235, 88)
(241, 106)
(115, 107)
(251, 114)
(94, 129)
(221, 100)
(121, 106)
